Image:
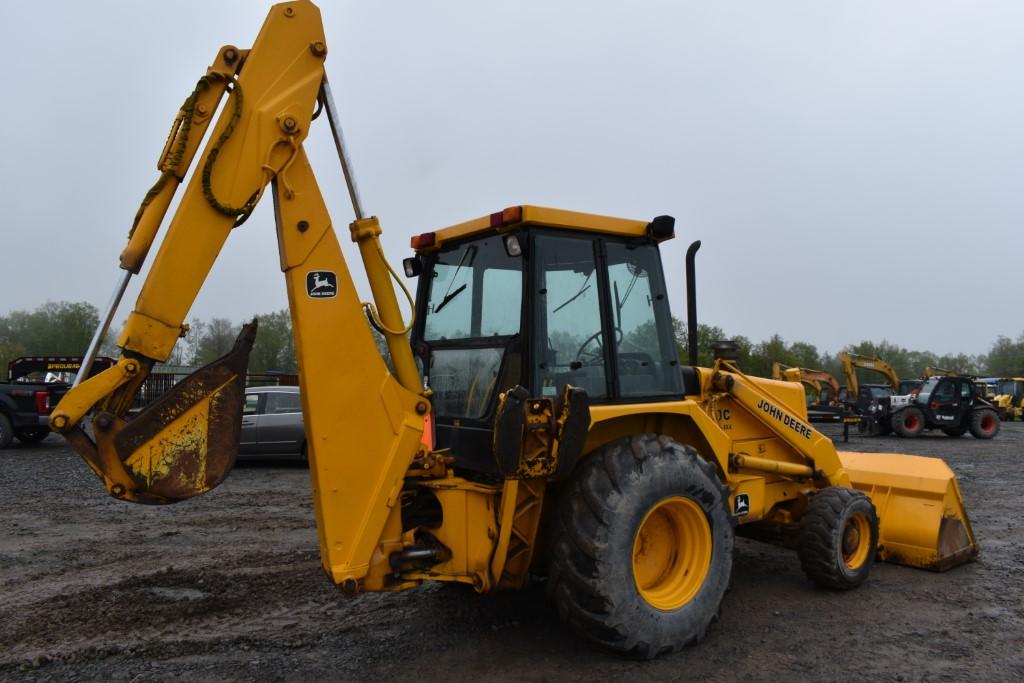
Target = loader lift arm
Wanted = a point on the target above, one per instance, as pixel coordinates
(902, 487)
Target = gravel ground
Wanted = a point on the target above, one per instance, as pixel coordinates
(229, 587)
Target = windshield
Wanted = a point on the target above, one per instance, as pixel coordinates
(880, 392)
(1008, 387)
(908, 386)
(476, 291)
(926, 390)
(475, 295)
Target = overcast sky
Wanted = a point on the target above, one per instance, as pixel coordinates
(853, 169)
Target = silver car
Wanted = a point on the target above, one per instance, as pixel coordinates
(272, 425)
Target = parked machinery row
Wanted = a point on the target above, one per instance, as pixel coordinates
(944, 400)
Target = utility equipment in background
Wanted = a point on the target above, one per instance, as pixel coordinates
(1009, 398)
(870, 401)
(823, 384)
(930, 372)
(563, 436)
(951, 404)
(850, 362)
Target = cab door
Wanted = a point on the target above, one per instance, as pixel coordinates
(949, 400)
(249, 439)
(280, 424)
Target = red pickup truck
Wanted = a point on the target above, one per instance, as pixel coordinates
(34, 386)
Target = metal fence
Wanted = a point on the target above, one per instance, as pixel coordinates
(163, 377)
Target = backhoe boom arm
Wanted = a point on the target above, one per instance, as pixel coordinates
(185, 444)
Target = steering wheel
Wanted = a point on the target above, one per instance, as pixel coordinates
(594, 356)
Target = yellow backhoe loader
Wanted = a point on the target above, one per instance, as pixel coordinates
(1009, 398)
(538, 424)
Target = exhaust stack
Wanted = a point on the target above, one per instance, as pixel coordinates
(691, 301)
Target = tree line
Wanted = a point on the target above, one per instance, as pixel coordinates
(65, 328)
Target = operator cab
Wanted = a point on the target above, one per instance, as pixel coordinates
(868, 396)
(948, 399)
(909, 386)
(540, 298)
(1014, 388)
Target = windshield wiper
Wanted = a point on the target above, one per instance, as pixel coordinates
(448, 293)
(583, 289)
(447, 298)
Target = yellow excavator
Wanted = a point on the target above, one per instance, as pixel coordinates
(851, 362)
(818, 381)
(930, 372)
(537, 420)
(871, 401)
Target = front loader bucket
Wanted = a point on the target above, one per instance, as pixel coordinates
(184, 443)
(922, 521)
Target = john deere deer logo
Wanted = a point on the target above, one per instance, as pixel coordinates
(321, 284)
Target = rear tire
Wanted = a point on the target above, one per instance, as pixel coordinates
(6, 432)
(838, 538)
(616, 572)
(984, 423)
(908, 422)
(32, 435)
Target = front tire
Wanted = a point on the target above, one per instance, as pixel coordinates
(32, 435)
(984, 423)
(642, 547)
(908, 422)
(838, 538)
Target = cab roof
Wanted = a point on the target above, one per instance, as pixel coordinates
(539, 216)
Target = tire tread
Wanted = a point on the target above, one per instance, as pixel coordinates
(593, 497)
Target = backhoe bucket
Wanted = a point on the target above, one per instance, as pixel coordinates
(922, 521)
(184, 443)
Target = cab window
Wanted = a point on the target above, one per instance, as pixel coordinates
(473, 315)
(278, 403)
(252, 404)
(475, 291)
(463, 380)
(570, 340)
(646, 354)
(944, 392)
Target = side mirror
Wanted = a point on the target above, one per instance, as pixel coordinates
(413, 266)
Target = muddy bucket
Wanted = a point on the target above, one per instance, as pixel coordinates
(181, 445)
(922, 521)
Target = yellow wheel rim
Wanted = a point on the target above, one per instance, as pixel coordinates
(672, 553)
(856, 540)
